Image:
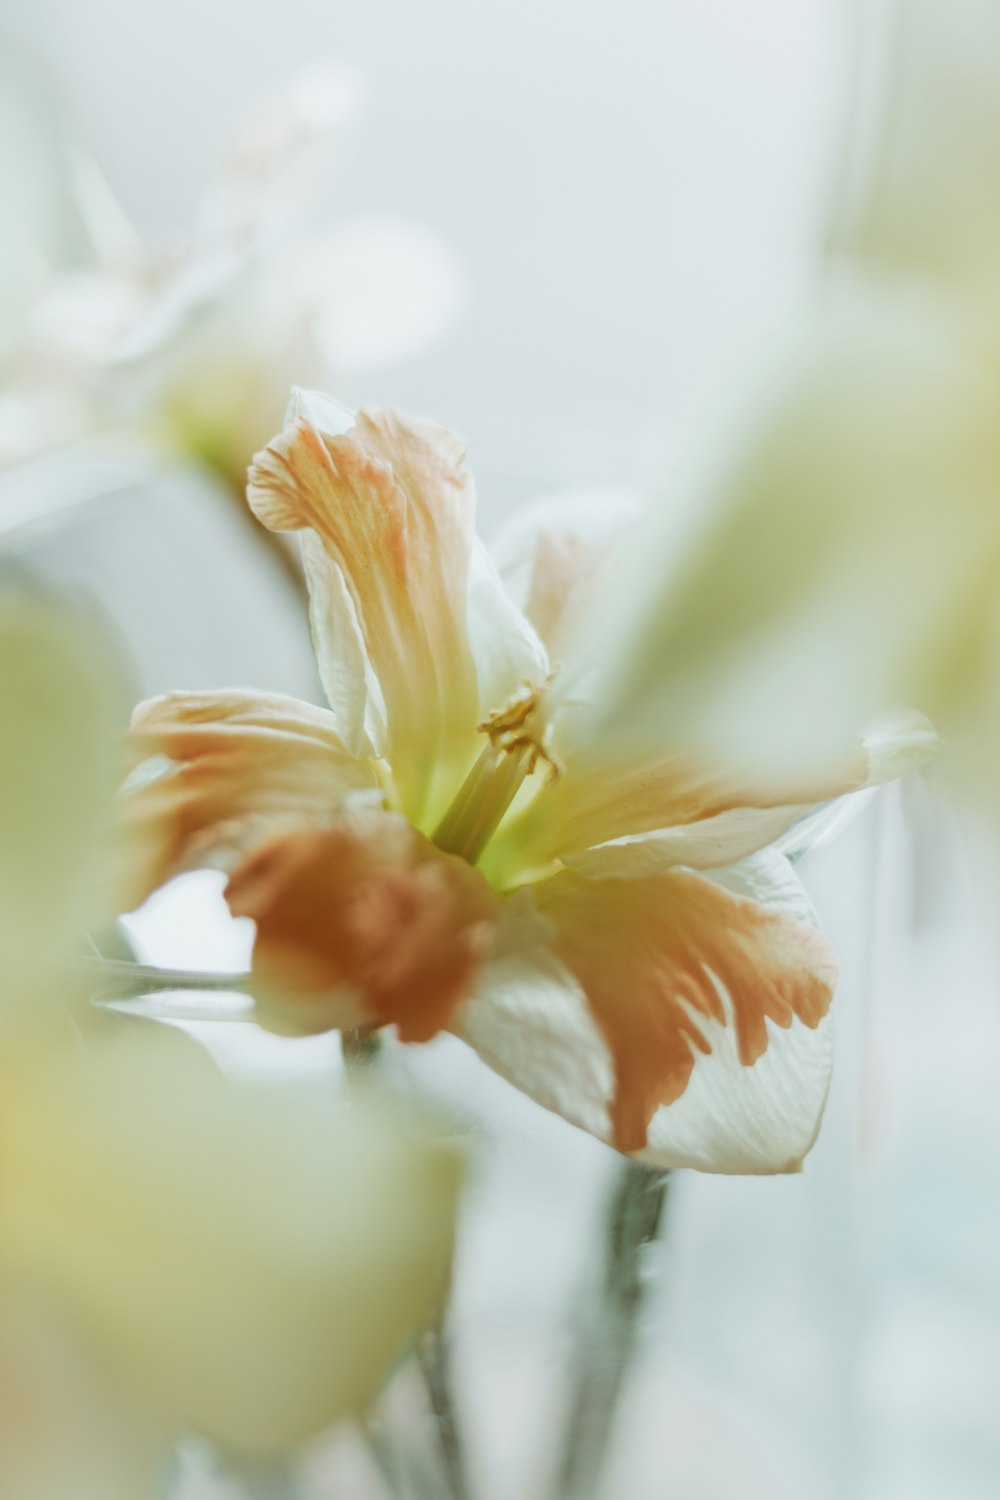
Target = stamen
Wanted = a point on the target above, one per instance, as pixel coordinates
(515, 748)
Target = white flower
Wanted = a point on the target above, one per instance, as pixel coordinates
(456, 843)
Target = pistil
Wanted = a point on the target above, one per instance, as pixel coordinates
(516, 737)
(481, 801)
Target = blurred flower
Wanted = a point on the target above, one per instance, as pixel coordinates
(846, 553)
(196, 350)
(453, 845)
(177, 1252)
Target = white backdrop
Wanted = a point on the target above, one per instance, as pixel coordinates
(631, 193)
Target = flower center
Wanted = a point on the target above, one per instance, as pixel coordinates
(517, 737)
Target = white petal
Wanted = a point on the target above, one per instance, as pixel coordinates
(61, 707)
(249, 1260)
(704, 845)
(896, 745)
(283, 155)
(900, 743)
(923, 195)
(530, 1021)
(842, 558)
(349, 683)
(550, 553)
(505, 646)
(65, 1431)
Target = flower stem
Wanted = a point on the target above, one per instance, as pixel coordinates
(433, 1357)
(263, 1481)
(123, 977)
(634, 1221)
(361, 1048)
(149, 991)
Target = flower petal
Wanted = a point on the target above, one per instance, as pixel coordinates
(65, 1428)
(922, 196)
(362, 923)
(249, 1260)
(844, 561)
(238, 767)
(551, 553)
(897, 745)
(687, 808)
(505, 645)
(684, 1022)
(391, 502)
(61, 701)
(281, 155)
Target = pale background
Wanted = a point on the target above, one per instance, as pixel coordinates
(629, 194)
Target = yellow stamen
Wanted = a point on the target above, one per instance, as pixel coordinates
(517, 742)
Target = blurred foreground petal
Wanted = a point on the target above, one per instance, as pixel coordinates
(62, 706)
(249, 1261)
(923, 196)
(847, 545)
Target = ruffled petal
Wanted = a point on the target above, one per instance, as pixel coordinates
(683, 1021)
(391, 503)
(221, 771)
(246, 1261)
(364, 923)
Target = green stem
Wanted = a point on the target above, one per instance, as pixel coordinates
(263, 1481)
(123, 977)
(361, 1048)
(634, 1221)
(434, 1359)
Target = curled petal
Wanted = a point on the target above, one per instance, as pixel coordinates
(363, 923)
(233, 768)
(683, 1021)
(248, 1261)
(391, 503)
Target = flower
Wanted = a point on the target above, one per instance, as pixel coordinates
(452, 847)
(194, 350)
(852, 559)
(178, 1252)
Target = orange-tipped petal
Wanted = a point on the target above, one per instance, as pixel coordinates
(392, 505)
(363, 923)
(236, 767)
(658, 958)
(684, 1020)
